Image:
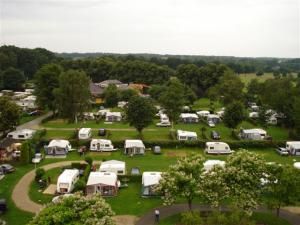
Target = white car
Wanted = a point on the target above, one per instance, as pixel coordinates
(163, 124)
(211, 124)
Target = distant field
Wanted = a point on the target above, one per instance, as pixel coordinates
(247, 77)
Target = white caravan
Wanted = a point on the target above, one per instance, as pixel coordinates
(203, 113)
(84, 133)
(66, 181)
(100, 145)
(149, 181)
(209, 164)
(186, 135)
(253, 134)
(23, 134)
(293, 147)
(113, 166)
(217, 148)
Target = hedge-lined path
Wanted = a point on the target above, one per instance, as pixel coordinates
(167, 211)
(34, 124)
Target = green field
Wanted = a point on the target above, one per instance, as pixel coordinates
(247, 77)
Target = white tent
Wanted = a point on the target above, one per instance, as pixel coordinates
(104, 183)
(253, 134)
(217, 148)
(209, 164)
(133, 147)
(186, 135)
(189, 117)
(113, 116)
(149, 180)
(58, 147)
(101, 145)
(293, 147)
(67, 180)
(114, 166)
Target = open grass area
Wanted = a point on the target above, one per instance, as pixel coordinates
(260, 218)
(206, 104)
(247, 77)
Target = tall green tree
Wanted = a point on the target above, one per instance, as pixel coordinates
(46, 80)
(183, 180)
(111, 96)
(140, 113)
(282, 186)
(9, 114)
(234, 114)
(243, 173)
(297, 116)
(73, 95)
(13, 79)
(76, 209)
(172, 99)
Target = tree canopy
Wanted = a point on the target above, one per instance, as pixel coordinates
(9, 114)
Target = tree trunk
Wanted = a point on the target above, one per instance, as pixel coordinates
(190, 204)
(278, 211)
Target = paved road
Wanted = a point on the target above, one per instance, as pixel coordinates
(20, 192)
(34, 124)
(166, 211)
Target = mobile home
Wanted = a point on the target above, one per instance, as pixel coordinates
(213, 118)
(113, 117)
(203, 113)
(134, 147)
(253, 134)
(113, 166)
(149, 181)
(23, 134)
(100, 145)
(84, 133)
(293, 147)
(186, 135)
(217, 148)
(58, 148)
(189, 118)
(104, 183)
(66, 181)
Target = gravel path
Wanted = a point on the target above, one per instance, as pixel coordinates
(166, 211)
(34, 124)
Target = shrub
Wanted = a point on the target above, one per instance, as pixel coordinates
(191, 218)
(76, 165)
(39, 173)
(79, 185)
(86, 172)
(89, 160)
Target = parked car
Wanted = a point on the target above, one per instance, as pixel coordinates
(163, 124)
(157, 150)
(215, 135)
(102, 132)
(3, 205)
(211, 124)
(7, 168)
(37, 158)
(282, 151)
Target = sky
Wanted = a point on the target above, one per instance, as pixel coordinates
(247, 28)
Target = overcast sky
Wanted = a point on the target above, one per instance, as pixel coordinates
(200, 27)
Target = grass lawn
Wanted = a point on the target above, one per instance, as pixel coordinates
(260, 218)
(27, 118)
(247, 77)
(205, 104)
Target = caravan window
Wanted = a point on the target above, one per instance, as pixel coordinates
(211, 148)
(226, 148)
(107, 145)
(10, 136)
(120, 171)
(21, 136)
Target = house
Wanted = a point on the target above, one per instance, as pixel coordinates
(149, 181)
(203, 113)
(189, 117)
(23, 134)
(104, 183)
(9, 149)
(253, 115)
(84, 133)
(113, 166)
(253, 134)
(209, 164)
(66, 181)
(96, 93)
(186, 135)
(134, 147)
(100, 145)
(293, 147)
(113, 117)
(58, 148)
(213, 118)
(217, 148)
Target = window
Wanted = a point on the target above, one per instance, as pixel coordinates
(21, 136)
(120, 171)
(211, 148)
